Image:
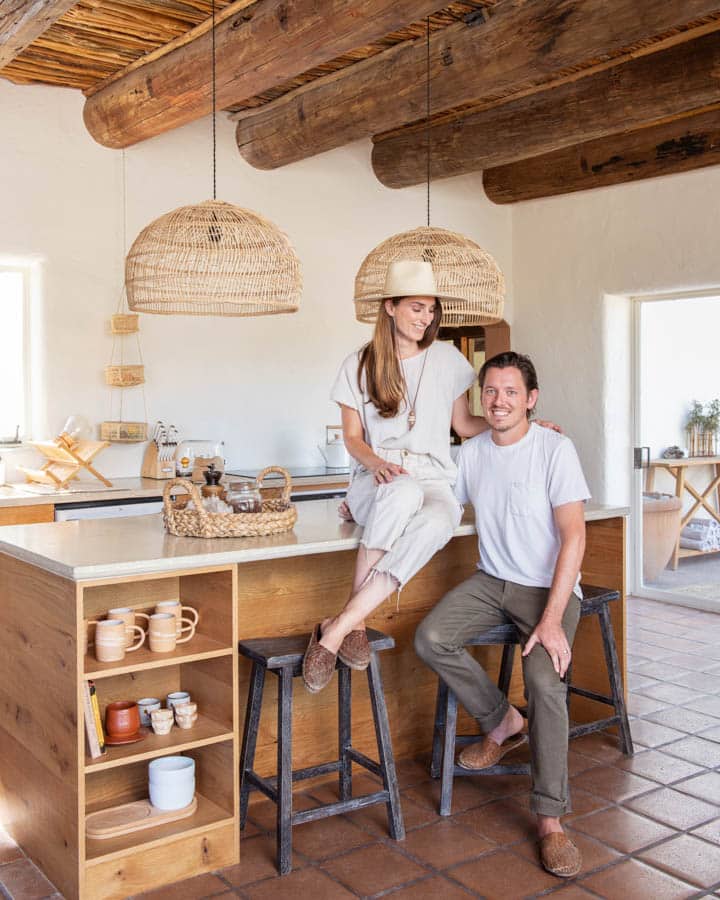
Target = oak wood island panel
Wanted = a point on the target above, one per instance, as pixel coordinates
(55, 578)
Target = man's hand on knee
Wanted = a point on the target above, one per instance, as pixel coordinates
(550, 635)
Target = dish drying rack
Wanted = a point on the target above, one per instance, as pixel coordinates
(159, 459)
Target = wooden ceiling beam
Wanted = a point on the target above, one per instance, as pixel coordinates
(644, 91)
(679, 146)
(524, 45)
(21, 21)
(257, 49)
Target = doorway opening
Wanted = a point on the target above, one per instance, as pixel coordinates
(678, 490)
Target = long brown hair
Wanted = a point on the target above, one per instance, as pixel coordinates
(379, 361)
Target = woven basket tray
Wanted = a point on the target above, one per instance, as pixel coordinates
(276, 516)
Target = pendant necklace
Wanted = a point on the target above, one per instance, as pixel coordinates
(412, 417)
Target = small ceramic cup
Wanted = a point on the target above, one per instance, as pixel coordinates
(129, 617)
(177, 698)
(161, 720)
(162, 633)
(186, 714)
(111, 639)
(122, 719)
(146, 706)
(183, 719)
(182, 624)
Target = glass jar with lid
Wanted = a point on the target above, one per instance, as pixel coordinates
(244, 497)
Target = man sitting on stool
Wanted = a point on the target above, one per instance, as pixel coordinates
(528, 489)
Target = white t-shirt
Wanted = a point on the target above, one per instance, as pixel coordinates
(446, 377)
(514, 490)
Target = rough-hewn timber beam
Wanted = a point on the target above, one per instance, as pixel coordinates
(261, 47)
(21, 21)
(641, 92)
(523, 46)
(679, 146)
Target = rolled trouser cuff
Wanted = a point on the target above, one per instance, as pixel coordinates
(544, 806)
(493, 719)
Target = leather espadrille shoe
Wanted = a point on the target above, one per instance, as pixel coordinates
(559, 855)
(318, 664)
(355, 650)
(488, 752)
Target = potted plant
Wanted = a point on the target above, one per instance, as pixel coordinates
(702, 426)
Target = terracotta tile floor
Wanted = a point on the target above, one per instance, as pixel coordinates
(648, 827)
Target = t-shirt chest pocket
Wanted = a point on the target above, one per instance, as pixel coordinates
(527, 498)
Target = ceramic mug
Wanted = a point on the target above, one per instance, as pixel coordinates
(162, 633)
(111, 639)
(122, 719)
(177, 609)
(129, 617)
(146, 706)
(177, 698)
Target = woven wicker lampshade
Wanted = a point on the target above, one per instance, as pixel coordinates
(462, 269)
(212, 259)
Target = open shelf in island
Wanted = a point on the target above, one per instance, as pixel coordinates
(207, 814)
(205, 731)
(200, 647)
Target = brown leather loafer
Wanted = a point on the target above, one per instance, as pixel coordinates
(560, 856)
(318, 664)
(355, 650)
(488, 752)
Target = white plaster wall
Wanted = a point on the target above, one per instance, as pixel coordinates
(578, 259)
(260, 384)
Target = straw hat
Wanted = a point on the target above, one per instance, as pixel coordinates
(411, 278)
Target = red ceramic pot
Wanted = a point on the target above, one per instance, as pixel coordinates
(122, 719)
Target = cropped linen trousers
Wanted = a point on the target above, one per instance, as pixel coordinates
(411, 518)
(479, 603)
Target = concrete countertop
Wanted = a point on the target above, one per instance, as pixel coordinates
(22, 494)
(108, 548)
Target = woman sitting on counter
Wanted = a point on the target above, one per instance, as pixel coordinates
(399, 395)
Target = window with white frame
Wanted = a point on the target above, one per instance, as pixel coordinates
(14, 344)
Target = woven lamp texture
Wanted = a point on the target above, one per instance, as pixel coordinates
(212, 259)
(462, 269)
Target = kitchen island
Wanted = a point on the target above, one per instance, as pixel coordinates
(54, 578)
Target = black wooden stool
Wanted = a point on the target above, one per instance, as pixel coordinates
(284, 656)
(446, 740)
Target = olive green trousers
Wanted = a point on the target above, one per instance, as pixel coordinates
(480, 603)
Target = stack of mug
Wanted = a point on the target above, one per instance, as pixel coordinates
(119, 633)
(171, 780)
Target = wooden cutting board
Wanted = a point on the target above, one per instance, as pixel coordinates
(109, 823)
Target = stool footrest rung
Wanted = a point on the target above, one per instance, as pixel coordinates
(268, 786)
(592, 727)
(500, 769)
(341, 806)
(365, 761)
(591, 695)
(264, 785)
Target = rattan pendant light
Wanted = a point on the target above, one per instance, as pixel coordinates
(462, 268)
(213, 258)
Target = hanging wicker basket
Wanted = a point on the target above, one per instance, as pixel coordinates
(125, 323)
(123, 432)
(124, 376)
(276, 515)
(213, 259)
(461, 267)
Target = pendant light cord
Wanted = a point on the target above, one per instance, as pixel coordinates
(214, 137)
(427, 114)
